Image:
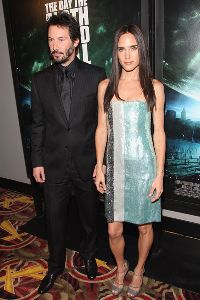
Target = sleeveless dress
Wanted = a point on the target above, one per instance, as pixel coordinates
(131, 164)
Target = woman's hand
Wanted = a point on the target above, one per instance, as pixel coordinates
(156, 188)
(100, 179)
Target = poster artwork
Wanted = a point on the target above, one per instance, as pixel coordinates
(182, 90)
(79, 10)
(29, 50)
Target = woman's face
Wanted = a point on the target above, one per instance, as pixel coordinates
(128, 52)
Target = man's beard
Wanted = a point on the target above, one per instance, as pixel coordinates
(63, 59)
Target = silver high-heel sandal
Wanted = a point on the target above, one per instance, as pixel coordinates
(132, 290)
(116, 286)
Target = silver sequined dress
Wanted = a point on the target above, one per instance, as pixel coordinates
(131, 164)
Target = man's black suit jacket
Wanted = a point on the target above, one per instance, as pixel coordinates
(53, 136)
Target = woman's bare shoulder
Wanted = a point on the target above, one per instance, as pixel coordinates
(159, 92)
(103, 84)
(158, 86)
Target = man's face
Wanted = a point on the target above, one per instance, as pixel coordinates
(62, 48)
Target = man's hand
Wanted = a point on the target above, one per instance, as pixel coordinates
(38, 174)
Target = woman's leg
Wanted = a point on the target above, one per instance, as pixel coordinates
(116, 240)
(145, 241)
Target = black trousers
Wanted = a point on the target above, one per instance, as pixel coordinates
(57, 198)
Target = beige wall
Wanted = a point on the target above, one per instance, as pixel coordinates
(12, 165)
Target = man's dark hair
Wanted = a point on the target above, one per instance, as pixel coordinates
(65, 20)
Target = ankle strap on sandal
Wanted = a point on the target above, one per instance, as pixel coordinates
(141, 274)
(125, 266)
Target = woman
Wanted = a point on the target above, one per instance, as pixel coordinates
(135, 163)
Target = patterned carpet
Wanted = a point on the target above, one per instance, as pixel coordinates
(23, 264)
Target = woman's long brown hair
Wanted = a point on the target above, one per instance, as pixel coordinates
(145, 74)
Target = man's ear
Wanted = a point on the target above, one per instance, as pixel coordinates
(76, 43)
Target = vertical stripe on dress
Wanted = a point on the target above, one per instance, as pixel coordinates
(109, 197)
(119, 146)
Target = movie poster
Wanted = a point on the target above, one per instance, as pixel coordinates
(28, 43)
(182, 87)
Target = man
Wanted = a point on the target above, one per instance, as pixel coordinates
(64, 111)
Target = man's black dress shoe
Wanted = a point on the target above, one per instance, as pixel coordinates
(91, 268)
(47, 282)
